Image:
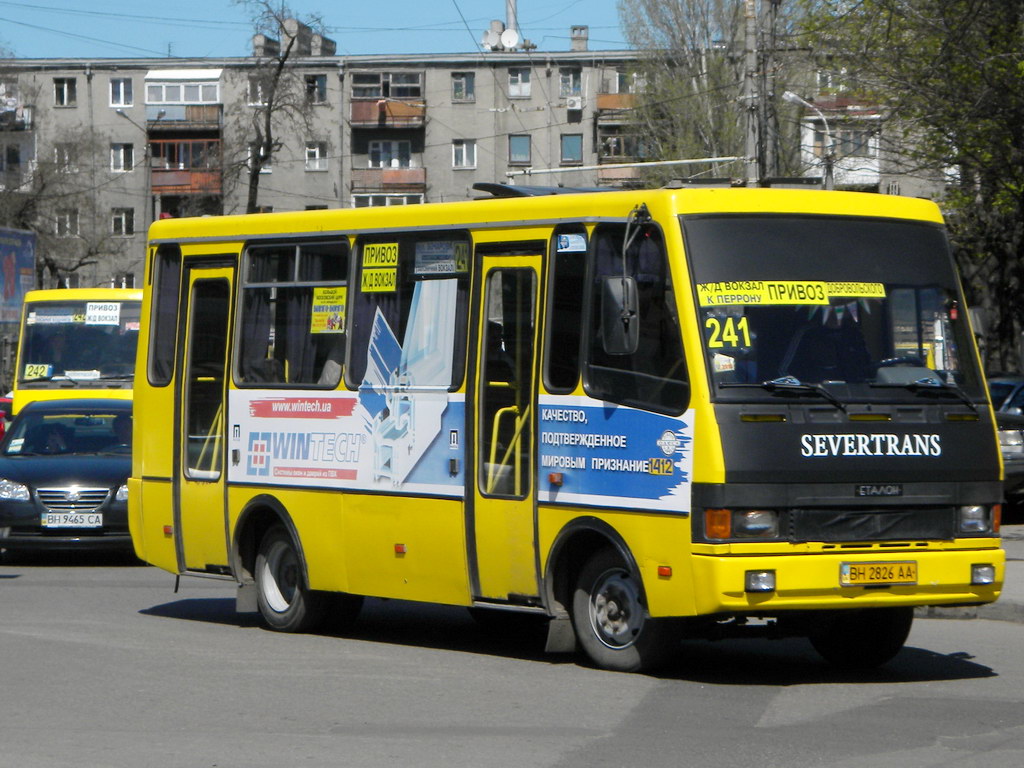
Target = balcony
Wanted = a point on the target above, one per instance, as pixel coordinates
(388, 113)
(615, 102)
(15, 117)
(188, 116)
(389, 179)
(177, 182)
(185, 167)
(618, 176)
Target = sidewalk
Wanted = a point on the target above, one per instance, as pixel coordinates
(1010, 605)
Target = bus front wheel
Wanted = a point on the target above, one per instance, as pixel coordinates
(861, 639)
(611, 620)
(285, 602)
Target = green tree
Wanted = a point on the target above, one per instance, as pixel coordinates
(950, 74)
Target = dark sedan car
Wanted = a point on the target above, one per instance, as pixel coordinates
(64, 465)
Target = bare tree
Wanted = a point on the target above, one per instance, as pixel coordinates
(49, 188)
(278, 99)
(692, 69)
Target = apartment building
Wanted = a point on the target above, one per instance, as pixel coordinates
(92, 151)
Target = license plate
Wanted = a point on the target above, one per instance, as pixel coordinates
(72, 520)
(856, 574)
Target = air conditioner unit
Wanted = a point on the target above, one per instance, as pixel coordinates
(574, 103)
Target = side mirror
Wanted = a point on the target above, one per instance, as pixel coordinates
(620, 321)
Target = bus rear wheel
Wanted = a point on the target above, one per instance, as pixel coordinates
(861, 639)
(285, 602)
(611, 621)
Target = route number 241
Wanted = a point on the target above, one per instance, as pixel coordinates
(732, 332)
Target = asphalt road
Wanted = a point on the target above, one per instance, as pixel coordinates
(103, 665)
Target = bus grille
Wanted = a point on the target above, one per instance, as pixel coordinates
(72, 499)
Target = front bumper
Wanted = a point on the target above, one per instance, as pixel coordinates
(810, 581)
(21, 528)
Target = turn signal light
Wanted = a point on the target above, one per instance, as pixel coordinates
(718, 523)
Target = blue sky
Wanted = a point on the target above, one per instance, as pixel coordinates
(201, 28)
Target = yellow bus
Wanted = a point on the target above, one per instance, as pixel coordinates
(77, 342)
(638, 415)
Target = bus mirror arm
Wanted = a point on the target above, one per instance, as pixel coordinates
(620, 331)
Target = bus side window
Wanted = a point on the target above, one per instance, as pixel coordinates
(409, 314)
(566, 288)
(293, 305)
(654, 375)
(164, 321)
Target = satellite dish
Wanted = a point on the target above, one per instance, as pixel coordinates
(490, 40)
(509, 39)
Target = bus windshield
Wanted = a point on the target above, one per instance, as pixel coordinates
(842, 308)
(79, 340)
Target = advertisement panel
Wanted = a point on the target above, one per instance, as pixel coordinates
(17, 271)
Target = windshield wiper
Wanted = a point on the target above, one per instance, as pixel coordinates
(792, 385)
(930, 384)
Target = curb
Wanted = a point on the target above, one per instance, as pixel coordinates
(1001, 610)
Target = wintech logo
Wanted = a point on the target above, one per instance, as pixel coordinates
(258, 461)
(302, 448)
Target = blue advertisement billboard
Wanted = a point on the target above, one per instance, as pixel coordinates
(17, 271)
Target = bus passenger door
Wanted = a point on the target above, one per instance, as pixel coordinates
(200, 503)
(503, 539)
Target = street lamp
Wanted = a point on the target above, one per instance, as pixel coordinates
(830, 147)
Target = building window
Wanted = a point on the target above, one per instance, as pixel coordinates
(182, 93)
(853, 142)
(615, 143)
(385, 85)
(464, 153)
(122, 157)
(184, 155)
(267, 166)
(849, 142)
(10, 160)
(519, 150)
(374, 201)
(316, 156)
(65, 91)
(518, 83)
(390, 154)
(463, 86)
(65, 157)
(255, 93)
(121, 92)
(316, 89)
(122, 222)
(570, 82)
(572, 149)
(406, 85)
(67, 222)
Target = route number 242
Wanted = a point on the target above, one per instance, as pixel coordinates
(731, 332)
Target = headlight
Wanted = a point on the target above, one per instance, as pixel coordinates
(122, 493)
(11, 491)
(975, 519)
(1011, 441)
(755, 523)
(741, 524)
